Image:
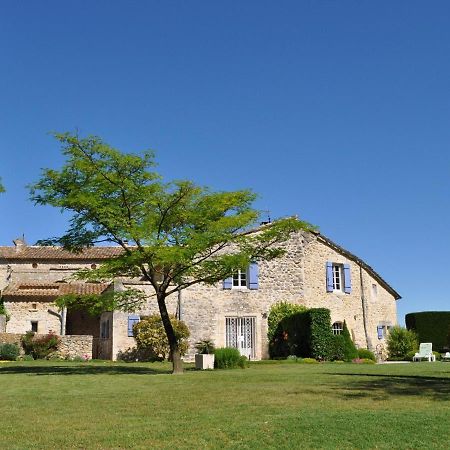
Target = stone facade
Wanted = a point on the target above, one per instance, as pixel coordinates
(236, 316)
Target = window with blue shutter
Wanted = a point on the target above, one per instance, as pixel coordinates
(132, 321)
(338, 277)
(228, 283)
(329, 276)
(347, 279)
(380, 331)
(253, 274)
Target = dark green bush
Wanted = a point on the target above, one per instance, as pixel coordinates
(278, 312)
(350, 351)
(400, 342)
(431, 326)
(243, 362)
(338, 351)
(39, 347)
(9, 352)
(306, 334)
(227, 358)
(363, 353)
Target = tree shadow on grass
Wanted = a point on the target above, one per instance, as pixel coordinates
(82, 369)
(381, 387)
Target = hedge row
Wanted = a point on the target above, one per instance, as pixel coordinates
(305, 334)
(431, 326)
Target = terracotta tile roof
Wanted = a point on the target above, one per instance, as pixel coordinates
(33, 252)
(34, 289)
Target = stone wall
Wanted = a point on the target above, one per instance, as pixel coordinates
(69, 346)
(297, 277)
(22, 313)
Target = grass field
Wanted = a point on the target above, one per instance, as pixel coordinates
(104, 405)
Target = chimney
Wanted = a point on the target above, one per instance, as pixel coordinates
(20, 243)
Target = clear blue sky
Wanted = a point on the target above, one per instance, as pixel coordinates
(336, 111)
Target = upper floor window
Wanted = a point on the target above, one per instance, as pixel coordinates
(240, 278)
(243, 279)
(338, 277)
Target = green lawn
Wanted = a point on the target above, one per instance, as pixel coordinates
(104, 405)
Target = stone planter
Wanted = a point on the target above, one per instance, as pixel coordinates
(203, 362)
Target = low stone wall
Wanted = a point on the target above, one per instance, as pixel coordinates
(69, 345)
(73, 345)
(2, 323)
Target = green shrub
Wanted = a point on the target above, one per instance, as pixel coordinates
(409, 356)
(278, 312)
(338, 351)
(9, 352)
(350, 351)
(151, 338)
(363, 361)
(431, 326)
(26, 358)
(363, 353)
(227, 358)
(401, 341)
(39, 346)
(308, 361)
(306, 334)
(243, 362)
(437, 355)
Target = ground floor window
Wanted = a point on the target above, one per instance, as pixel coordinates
(34, 326)
(240, 334)
(337, 327)
(383, 330)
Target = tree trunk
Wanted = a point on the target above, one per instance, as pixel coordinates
(175, 356)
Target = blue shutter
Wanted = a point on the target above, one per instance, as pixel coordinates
(132, 320)
(253, 272)
(380, 331)
(329, 276)
(347, 279)
(228, 283)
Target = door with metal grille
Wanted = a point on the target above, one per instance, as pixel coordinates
(240, 334)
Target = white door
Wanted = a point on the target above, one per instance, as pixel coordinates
(240, 334)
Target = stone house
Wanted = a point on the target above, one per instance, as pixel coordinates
(314, 272)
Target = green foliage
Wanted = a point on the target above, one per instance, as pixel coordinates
(278, 312)
(205, 347)
(306, 334)
(173, 235)
(337, 352)
(363, 353)
(350, 351)
(437, 355)
(401, 341)
(227, 358)
(151, 337)
(363, 361)
(308, 361)
(39, 347)
(2, 189)
(243, 363)
(9, 352)
(26, 358)
(431, 326)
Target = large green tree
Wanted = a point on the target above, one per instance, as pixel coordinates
(173, 235)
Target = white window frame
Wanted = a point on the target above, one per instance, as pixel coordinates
(337, 327)
(337, 271)
(385, 329)
(240, 279)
